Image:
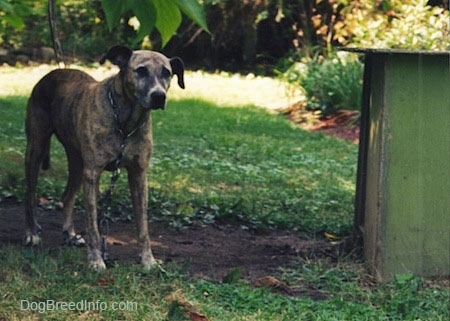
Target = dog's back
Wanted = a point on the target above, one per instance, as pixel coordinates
(55, 84)
(46, 100)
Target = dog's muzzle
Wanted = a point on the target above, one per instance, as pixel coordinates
(158, 100)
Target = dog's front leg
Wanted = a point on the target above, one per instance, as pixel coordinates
(90, 185)
(137, 179)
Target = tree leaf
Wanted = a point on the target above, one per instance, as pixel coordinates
(14, 15)
(114, 10)
(168, 18)
(194, 11)
(146, 13)
(5, 6)
(14, 20)
(165, 15)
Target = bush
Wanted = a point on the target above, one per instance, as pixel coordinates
(335, 82)
(406, 24)
(329, 84)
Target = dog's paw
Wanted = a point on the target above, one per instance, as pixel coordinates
(97, 265)
(32, 240)
(75, 240)
(149, 262)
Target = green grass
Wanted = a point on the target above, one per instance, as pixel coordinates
(32, 281)
(246, 164)
(237, 163)
(241, 164)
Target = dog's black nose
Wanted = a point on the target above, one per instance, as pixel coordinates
(158, 100)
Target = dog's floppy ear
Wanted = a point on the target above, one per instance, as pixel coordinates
(118, 55)
(177, 66)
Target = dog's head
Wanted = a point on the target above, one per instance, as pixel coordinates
(147, 74)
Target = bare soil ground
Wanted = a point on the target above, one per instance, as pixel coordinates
(212, 251)
(343, 124)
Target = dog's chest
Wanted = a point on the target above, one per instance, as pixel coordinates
(130, 150)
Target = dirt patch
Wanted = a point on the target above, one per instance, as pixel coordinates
(343, 124)
(211, 251)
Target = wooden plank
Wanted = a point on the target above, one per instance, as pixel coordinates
(373, 243)
(407, 218)
(361, 175)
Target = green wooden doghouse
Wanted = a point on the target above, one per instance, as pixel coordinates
(402, 210)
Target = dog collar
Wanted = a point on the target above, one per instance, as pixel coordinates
(115, 109)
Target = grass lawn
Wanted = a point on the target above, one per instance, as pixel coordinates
(218, 156)
(236, 161)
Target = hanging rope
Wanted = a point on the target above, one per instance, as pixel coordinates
(54, 34)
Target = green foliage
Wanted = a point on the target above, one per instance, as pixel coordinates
(13, 13)
(410, 24)
(86, 28)
(329, 84)
(83, 32)
(335, 82)
(245, 32)
(317, 26)
(81, 28)
(165, 15)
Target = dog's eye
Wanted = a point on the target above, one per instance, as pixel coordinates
(166, 73)
(141, 72)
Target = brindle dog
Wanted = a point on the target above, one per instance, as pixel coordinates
(96, 122)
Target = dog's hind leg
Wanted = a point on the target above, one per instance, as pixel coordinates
(38, 131)
(75, 166)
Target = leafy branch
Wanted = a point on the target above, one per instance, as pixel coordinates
(164, 15)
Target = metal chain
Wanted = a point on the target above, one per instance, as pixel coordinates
(105, 211)
(54, 34)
